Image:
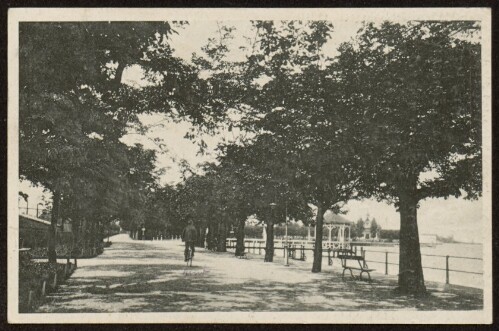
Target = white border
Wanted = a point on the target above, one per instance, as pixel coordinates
(203, 14)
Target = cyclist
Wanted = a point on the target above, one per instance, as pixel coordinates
(189, 236)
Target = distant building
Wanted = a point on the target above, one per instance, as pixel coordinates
(366, 232)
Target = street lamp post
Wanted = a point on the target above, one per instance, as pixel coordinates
(269, 252)
(286, 240)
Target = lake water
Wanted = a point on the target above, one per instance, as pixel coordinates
(465, 260)
(433, 258)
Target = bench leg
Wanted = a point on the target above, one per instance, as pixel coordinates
(368, 275)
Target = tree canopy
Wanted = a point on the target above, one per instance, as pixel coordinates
(395, 116)
(415, 95)
(75, 109)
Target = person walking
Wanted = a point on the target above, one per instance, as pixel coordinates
(189, 236)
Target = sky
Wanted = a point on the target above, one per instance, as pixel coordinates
(452, 217)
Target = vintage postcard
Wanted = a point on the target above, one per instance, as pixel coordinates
(199, 165)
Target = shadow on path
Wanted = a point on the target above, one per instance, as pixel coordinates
(149, 277)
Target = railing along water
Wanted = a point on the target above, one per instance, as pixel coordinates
(444, 264)
(330, 247)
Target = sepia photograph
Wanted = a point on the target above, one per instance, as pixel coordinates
(243, 165)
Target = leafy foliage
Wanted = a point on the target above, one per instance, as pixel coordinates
(417, 92)
(395, 116)
(415, 95)
(74, 110)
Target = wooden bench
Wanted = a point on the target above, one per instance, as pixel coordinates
(360, 260)
(336, 252)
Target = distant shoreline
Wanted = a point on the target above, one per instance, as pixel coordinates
(380, 243)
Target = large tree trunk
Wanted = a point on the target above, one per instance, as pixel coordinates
(269, 245)
(411, 280)
(222, 236)
(201, 236)
(240, 238)
(212, 236)
(317, 265)
(91, 238)
(99, 235)
(56, 201)
(83, 236)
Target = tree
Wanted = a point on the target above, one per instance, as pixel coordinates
(161, 218)
(260, 190)
(302, 122)
(88, 47)
(74, 109)
(139, 185)
(237, 186)
(416, 93)
(218, 200)
(375, 229)
(359, 228)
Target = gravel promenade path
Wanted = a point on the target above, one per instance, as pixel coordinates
(151, 276)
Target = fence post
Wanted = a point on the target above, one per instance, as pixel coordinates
(55, 281)
(30, 298)
(259, 248)
(44, 287)
(447, 269)
(364, 257)
(329, 256)
(386, 263)
(76, 263)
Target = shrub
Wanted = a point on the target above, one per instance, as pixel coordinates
(31, 277)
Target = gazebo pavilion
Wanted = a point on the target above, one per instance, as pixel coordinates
(331, 221)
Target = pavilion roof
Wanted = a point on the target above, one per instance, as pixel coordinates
(332, 218)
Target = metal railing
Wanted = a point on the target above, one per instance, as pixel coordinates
(447, 268)
(257, 246)
(34, 212)
(311, 243)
